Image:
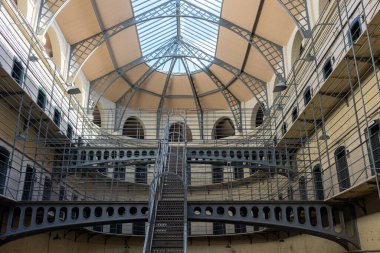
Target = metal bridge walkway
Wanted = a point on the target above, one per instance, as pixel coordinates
(169, 228)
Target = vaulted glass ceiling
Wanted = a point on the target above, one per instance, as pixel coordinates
(196, 32)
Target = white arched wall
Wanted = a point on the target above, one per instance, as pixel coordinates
(58, 48)
(82, 83)
(59, 42)
(28, 9)
(295, 48)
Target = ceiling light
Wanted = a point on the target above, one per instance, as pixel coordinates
(20, 137)
(33, 58)
(71, 90)
(324, 137)
(309, 57)
(281, 86)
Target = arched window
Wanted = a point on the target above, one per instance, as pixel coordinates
(41, 99)
(327, 68)
(223, 128)
(297, 47)
(133, 128)
(318, 182)
(57, 116)
(294, 114)
(284, 128)
(97, 119)
(29, 179)
(259, 117)
(373, 146)
(342, 168)
(354, 31)
(302, 188)
(177, 132)
(4, 164)
(307, 95)
(70, 131)
(18, 71)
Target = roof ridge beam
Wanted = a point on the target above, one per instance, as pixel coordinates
(49, 9)
(298, 11)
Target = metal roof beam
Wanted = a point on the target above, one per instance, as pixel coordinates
(82, 50)
(49, 9)
(197, 103)
(297, 9)
(162, 99)
(256, 86)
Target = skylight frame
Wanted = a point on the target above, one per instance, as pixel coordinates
(199, 33)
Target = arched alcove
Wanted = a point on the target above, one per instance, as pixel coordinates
(177, 132)
(54, 48)
(223, 128)
(257, 117)
(342, 169)
(97, 118)
(297, 48)
(133, 128)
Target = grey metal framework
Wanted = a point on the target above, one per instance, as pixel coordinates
(49, 9)
(335, 222)
(176, 48)
(51, 153)
(259, 158)
(23, 219)
(298, 10)
(82, 50)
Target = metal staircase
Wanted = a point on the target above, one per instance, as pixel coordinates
(167, 230)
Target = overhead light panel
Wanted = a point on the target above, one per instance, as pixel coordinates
(324, 137)
(71, 90)
(281, 86)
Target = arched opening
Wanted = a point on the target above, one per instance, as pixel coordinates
(97, 119)
(54, 48)
(223, 128)
(318, 182)
(4, 160)
(257, 117)
(297, 47)
(133, 128)
(342, 168)
(302, 188)
(294, 114)
(177, 132)
(284, 128)
(307, 95)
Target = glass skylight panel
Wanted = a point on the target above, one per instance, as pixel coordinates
(157, 32)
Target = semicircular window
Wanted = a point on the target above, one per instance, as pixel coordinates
(171, 21)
